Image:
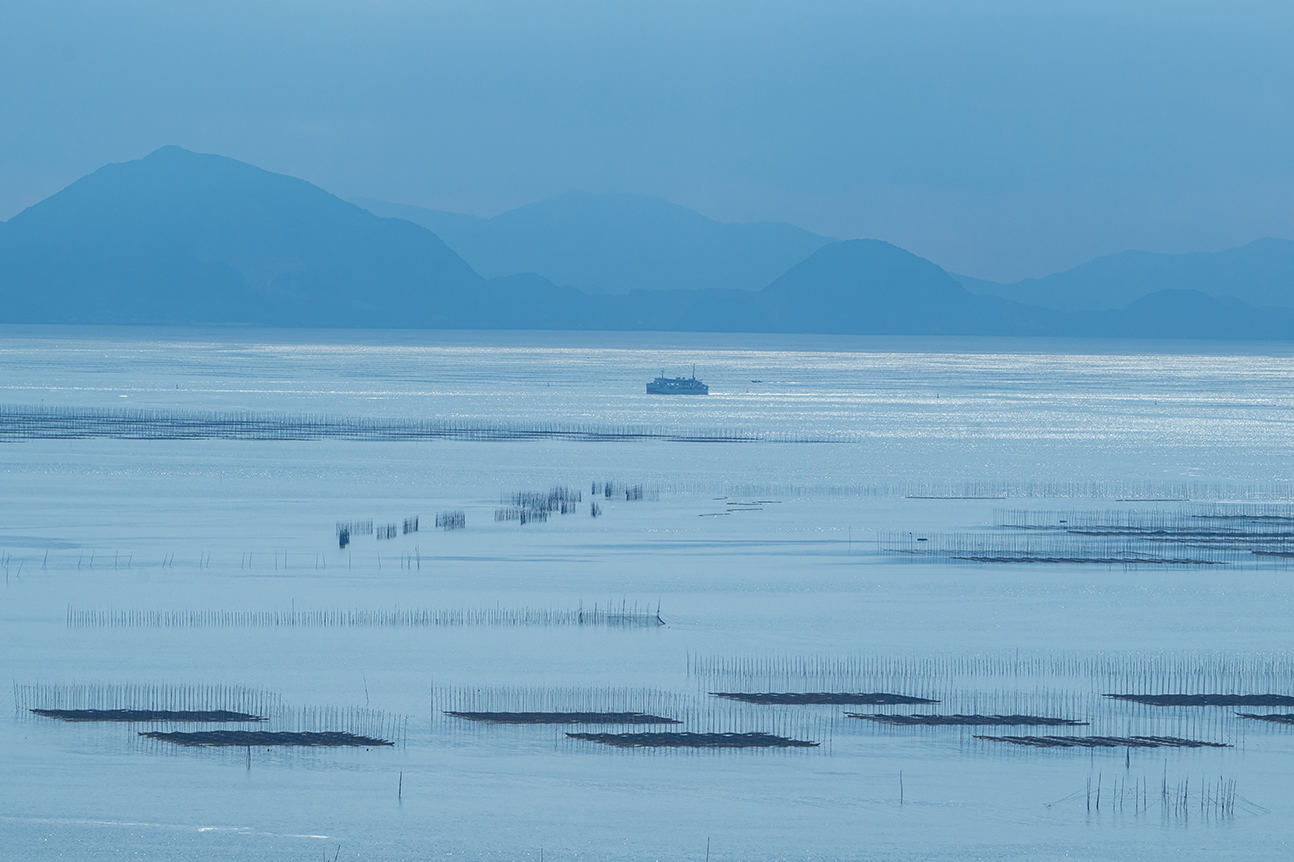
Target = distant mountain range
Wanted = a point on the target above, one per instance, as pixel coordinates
(616, 243)
(179, 237)
(185, 238)
(1258, 274)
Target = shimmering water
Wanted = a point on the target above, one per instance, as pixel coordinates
(101, 524)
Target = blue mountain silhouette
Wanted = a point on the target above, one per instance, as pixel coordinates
(181, 237)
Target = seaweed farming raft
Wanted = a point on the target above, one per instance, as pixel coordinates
(1061, 547)
(263, 738)
(796, 698)
(1104, 741)
(1218, 534)
(1274, 718)
(564, 717)
(211, 716)
(693, 740)
(1207, 699)
(968, 720)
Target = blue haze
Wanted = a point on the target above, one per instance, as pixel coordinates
(999, 139)
(180, 237)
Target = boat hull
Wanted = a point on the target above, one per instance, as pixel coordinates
(690, 387)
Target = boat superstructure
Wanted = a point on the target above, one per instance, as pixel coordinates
(677, 385)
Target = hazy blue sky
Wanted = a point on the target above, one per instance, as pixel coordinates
(1000, 139)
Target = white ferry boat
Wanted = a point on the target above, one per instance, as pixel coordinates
(677, 385)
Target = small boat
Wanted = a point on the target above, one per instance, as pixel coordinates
(677, 385)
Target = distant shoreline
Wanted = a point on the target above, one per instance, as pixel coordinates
(663, 339)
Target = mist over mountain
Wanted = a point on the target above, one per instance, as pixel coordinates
(875, 287)
(179, 237)
(1260, 273)
(617, 243)
(1190, 314)
(442, 224)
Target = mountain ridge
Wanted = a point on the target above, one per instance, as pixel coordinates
(181, 237)
(1259, 273)
(229, 239)
(617, 243)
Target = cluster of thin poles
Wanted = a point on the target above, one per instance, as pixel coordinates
(624, 616)
(1177, 802)
(146, 696)
(28, 422)
(1127, 671)
(528, 506)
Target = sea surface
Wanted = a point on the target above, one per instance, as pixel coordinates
(773, 566)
